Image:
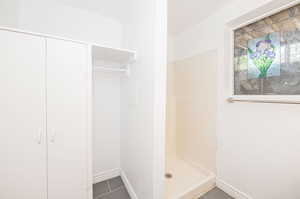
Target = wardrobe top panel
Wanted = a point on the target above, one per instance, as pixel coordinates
(99, 53)
(112, 55)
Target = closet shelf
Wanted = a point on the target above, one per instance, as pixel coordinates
(112, 59)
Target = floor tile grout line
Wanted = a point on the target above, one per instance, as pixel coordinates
(108, 184)
(105, 193)
(117, 189)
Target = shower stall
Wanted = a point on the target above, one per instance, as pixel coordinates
(190, 126)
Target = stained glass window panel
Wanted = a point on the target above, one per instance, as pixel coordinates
(267, 55)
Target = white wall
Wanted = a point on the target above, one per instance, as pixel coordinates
(137, 109)
(141, 128)
(106, 123)
(45, 16)
(9, 13)
(258, 148)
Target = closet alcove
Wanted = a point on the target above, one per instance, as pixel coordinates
(109, 66)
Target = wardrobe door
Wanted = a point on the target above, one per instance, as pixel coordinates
(22, 115)
(67, 119)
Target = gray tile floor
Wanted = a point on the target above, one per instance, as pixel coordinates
(110, 189)
(115, 189)
(216, 193)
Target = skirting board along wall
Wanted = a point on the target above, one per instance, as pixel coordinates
(128, 186)
(107, 175)
(232, 191)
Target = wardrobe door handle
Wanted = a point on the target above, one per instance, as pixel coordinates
(39, 136)
(52, 137)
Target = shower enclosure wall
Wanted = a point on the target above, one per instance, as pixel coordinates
(190, 128)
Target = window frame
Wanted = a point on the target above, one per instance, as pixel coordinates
(255, 15)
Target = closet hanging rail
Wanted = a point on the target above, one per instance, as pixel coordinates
(112, 60)
(100, 68)
(266, 101)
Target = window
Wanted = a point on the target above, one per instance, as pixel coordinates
(267, 55)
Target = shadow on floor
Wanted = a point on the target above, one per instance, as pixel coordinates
(216, 193)
(110, 189)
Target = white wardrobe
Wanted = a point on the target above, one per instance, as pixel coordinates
(44, 117)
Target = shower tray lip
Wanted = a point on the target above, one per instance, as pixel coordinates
(195, 188)
(209, 179)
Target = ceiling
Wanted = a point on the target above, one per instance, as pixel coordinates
(183, 14)
(110, 8)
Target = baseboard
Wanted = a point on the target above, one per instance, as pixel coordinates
(100, 177)
(128, 186)
(232, 191)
